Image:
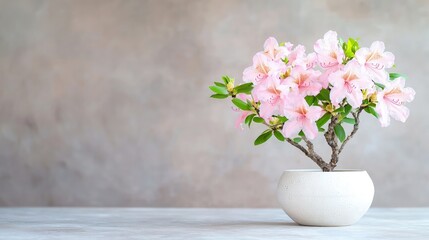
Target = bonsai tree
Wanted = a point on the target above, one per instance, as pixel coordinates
(298, 95)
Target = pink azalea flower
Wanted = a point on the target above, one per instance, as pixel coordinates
(273, 50)
(329, 55)
(329, 52)
(310, 60)
(390, 101)
(260, 70)
(271, 95)
(374, 60)
(297, 57)
(301, 117)
(348, 83)
(305, 82)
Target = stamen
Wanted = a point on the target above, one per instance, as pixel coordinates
(377, 66)
(330, 64)
(309, 65)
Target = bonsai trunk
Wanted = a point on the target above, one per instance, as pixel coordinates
(331, 139)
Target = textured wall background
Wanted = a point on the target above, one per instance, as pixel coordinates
(105, 103)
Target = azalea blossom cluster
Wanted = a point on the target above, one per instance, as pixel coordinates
(296, 94)
(283, 75)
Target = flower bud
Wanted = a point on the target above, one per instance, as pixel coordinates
(329, 108)
(286, 74)
(274, 121)
(373, 98)
(230, 86)
(365, 93)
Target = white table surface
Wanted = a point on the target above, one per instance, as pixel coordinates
(198, 223)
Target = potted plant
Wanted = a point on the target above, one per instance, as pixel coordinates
(300, 96)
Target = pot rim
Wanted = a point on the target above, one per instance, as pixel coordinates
(320, 171)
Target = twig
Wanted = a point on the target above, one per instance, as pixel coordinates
(355, 128)
(297, 145)
(332, 142)
(310, 153)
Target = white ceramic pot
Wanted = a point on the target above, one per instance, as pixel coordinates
(316, 198)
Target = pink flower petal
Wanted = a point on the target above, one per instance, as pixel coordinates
(310, 129)
(291, 128)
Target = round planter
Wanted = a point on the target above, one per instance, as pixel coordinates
(316, 198)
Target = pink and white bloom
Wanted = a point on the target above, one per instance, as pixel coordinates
(304, 82)
(274, 51)
(390, 101)
(267, 62)
(259, 71)
(328, 50)
(281, 88)
(310, 60)
(330, 55)
(272, 95)
(348, 83)
(301, 117)
(374, 60)
(297, 57)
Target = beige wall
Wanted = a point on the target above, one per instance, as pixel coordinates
(105, 103)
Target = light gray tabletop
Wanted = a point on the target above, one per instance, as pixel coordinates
(188, 223)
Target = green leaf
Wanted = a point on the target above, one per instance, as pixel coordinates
(310, 100)
(349, 120)
(323, 95)
(379, 85)
(245, 85)
(219, 96)
(324, 119)
(321, 129)
(339, 131)
(240, 104)
(297, 139)
(244, 88)
(340, 110)
(351, 47)
(394, 75)
(258, 120)
(263, 137)
(371, 111)
(227, 79)
(219, 90)
(279, 135)
(282, 119)
(248, 119)
(301, 133)
(285, 60)
(220, 84)
(355, 48)
(347, 109)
